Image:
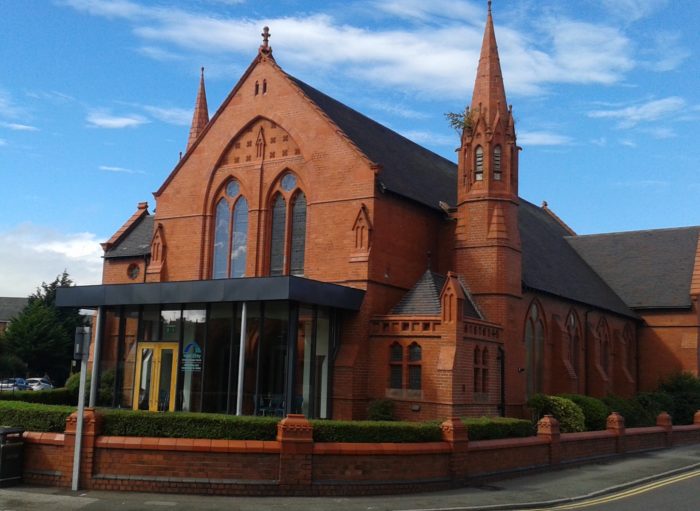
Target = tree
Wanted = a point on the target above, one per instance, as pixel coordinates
(41, 336)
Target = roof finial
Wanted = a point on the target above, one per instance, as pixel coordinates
(489, 6)
(201, 76)
(265, 46)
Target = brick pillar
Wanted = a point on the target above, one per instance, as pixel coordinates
(455, 433)
(696, 418)
(616, 425)
(548, 427)
(295, 435)
(664, 421)
(92, 428)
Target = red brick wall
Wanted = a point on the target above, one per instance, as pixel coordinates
(668, 343)
(294, 465)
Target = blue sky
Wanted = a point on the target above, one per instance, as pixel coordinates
(96, 99)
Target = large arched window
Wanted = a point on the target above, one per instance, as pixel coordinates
(479, 164)
(534, 350)
(574, 344)
(288, 228)
(230, 233)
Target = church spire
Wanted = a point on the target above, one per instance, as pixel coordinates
(489, 92)
(200, 118)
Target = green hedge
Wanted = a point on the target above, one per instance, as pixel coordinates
(684, 389)
(568, 413)
(34, 417)
(376, 431)
(188, 425)
(60, 396)
(633, 412)
(493, 428)
(595, 412)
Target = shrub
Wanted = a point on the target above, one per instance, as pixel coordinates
(60, 396)
(376, 432)
(34, 417)
(381, 410)
(188, 425)
(595, 412)
(684, 389)
(568, 413)
(652, 404)
(630, 409)
(492, 428)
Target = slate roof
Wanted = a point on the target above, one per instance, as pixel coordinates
(551, 264)
(407, 169)
(648, 269)
(424, 298)
(11, 307)
(136, 242)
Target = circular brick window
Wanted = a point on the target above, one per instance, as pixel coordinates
(288, 182)
(133, 271)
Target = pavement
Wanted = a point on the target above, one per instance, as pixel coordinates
(546, 489)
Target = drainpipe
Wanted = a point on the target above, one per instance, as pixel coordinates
(502, 405)
(96, 353)
(585, 352)
(241, 361)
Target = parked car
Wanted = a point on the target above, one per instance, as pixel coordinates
(39, 383)
(11, 384)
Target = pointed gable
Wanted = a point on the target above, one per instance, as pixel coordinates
(424, 298)
(129, 240)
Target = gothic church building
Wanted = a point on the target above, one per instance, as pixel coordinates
(303, 258)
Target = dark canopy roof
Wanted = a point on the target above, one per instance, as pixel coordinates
(648, 269)
(550, 264)
(407, 169)
(136, 242)
(206, 291)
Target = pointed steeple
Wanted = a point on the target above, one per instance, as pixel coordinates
(200, 118)
(489, 92)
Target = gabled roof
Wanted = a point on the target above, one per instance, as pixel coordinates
(648, 269)
(136, 242)
(11, 307)
(424, 298)
(407, 169)
(551, 264)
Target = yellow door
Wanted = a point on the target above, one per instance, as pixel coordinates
(156, 364)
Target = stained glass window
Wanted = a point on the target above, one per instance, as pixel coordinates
(279, 214)
(221, 237)
(239, 244)
(298, 235)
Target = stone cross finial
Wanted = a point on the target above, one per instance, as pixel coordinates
(266, 37)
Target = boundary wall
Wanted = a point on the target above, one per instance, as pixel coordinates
(294, 465)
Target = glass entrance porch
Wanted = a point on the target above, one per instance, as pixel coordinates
(250, 358)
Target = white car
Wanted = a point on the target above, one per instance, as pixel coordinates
(39, 384)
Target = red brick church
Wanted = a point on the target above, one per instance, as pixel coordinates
(303, 258)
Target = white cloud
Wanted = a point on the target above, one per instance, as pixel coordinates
(633, 10)
(628, 143)
(631, 116)
(435, 10)
(120, 170)
(642, 183)
(661, 133)
(103, 119)
(421, 59)
(8, 107)
(665, 52)
(543, 138)
(18, 127)
(30, 255)
(3, 142)
(173, 115)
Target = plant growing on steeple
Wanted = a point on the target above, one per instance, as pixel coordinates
(459, 121)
